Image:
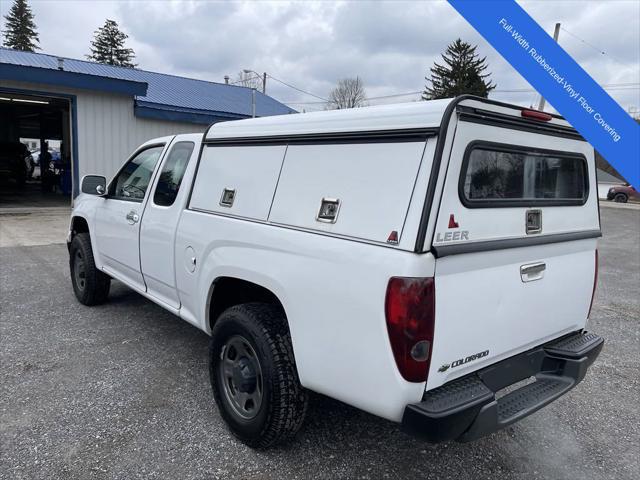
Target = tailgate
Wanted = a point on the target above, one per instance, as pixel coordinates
(515, 240)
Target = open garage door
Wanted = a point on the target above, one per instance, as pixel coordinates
(35, 151)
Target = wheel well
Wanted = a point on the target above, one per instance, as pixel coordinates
(228, 291)
(79, 225)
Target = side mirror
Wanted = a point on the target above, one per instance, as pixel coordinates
(94, 185)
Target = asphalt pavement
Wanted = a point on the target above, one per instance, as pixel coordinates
(121, 391)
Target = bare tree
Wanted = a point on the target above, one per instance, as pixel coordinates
(250, 80)
(349, 93)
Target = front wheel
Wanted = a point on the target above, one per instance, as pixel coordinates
(620, 198)
(253, 375)
(90, 285)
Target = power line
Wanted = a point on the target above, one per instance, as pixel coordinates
(518, 90)
(599, 50)
(610, 86)
(395, 95)
(243, 80)
(366, 99)
(583, 41)
(296, 88)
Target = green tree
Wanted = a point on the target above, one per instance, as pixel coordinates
(463, 73)
(108, 47)
(20, 29)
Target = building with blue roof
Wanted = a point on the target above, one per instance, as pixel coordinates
(100, 113)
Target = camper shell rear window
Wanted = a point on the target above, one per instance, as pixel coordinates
(500, 175)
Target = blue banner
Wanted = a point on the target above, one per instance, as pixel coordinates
(559, 79)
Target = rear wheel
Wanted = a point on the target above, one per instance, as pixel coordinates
(253, 375)
(90, 285)
(620, 198)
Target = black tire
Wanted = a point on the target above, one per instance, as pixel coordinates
(90, 285)
(620, 198)
(283, 401)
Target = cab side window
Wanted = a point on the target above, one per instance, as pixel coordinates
(134, 178)
(172, 172)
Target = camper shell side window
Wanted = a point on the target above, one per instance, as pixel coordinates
(500, 175)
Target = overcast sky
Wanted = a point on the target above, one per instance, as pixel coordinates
(311, 45)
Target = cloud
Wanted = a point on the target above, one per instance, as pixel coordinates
(390, 45)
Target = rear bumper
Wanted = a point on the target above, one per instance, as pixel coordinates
(467, 408)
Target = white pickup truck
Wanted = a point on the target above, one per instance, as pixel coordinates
(432, 263)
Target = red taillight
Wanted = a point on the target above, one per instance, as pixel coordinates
(410, 312)
(536, 115)
(595, 282)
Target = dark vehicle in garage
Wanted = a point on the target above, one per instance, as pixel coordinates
(14, 161)
(623, 193)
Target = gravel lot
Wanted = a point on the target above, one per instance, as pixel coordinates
(121, 391)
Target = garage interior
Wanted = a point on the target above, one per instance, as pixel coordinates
(35, 120)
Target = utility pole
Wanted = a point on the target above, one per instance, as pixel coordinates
(253, 103)
(556, 33)
(263, 77)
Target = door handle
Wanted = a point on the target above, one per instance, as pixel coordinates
(532, 271)
(132, 217)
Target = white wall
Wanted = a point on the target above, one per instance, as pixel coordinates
(108, 131)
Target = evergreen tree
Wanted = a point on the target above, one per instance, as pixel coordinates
(108, 47)
(20, 29)
(462, 74)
